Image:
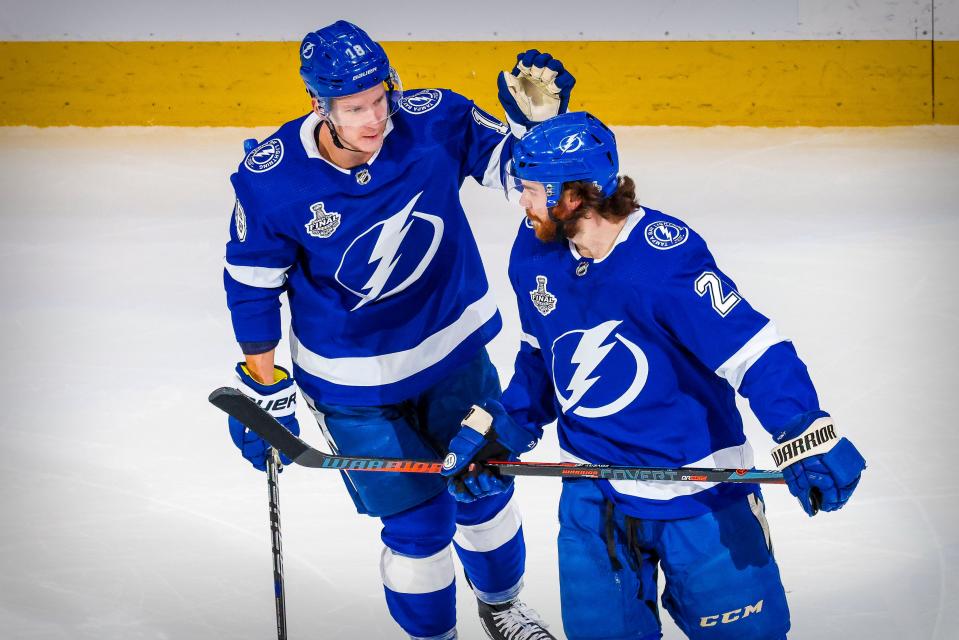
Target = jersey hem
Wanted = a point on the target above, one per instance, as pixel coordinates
(326, 392)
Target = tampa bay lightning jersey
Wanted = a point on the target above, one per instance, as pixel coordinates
(385, 284)
(638, 357)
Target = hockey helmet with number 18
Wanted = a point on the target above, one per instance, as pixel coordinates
(340, 60)
(567, 148)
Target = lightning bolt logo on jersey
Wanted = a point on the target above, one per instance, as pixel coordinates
(583, 357)
(399, 250)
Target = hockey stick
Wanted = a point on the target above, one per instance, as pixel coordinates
(272, 467)
(249, 413)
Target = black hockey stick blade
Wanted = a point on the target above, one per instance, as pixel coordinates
(233, 402)
(241, 407)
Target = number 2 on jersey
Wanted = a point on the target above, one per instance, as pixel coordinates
(709, 282)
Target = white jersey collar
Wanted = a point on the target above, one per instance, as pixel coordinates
(631, 221)
(308, 140)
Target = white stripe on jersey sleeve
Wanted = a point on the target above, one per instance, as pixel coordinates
(529, 339)
(738, 364)
(492, 176)
(262, 277)
(373, 371)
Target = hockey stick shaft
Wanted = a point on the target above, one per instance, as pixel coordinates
(279, 590)
(250, 414)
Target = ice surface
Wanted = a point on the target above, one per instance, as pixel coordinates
(128, 514)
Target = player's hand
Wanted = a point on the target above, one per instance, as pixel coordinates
(536, 89)
(279, 400)
(821, 468)
(488, 433)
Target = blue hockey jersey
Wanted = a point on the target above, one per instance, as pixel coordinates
(385, 284)
(638, 357)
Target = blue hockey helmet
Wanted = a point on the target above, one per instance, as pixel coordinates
(569, 147)
(340, 60)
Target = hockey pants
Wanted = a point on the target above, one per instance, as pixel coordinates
(420, 519)
(722, 582)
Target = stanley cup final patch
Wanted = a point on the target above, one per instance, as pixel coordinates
(323, 223)
(543, 300)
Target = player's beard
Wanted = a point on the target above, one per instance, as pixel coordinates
(559, 225)
(545, 230)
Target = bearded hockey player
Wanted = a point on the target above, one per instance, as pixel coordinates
(353, 210)
(636, 343)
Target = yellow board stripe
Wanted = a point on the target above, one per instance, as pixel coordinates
(947, 82)
(775, 83)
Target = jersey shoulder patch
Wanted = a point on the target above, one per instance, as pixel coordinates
(665, 235)
(277, 150)
(663, 232)
(265, 156)
(419, 101)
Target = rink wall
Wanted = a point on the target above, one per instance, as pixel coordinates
(666, 62)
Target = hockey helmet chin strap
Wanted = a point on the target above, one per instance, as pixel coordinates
(336, 138)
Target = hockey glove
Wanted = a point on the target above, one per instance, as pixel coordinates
(279, 400)
(488, 433)
(821, 468)
(536, 89)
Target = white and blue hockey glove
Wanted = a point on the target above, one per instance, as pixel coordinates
(279, 400)
(536, 89)
(821, 468)
(487, 433)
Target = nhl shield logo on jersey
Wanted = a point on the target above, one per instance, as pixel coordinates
(391, 255)
(323, 224)
(597, 372)
(665, 235)
(239, 219)
(363, 177)
(543, 300)
(265, 157)
(421, 101)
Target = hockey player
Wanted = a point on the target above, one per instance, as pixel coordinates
(353, 210)
(636, 343)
